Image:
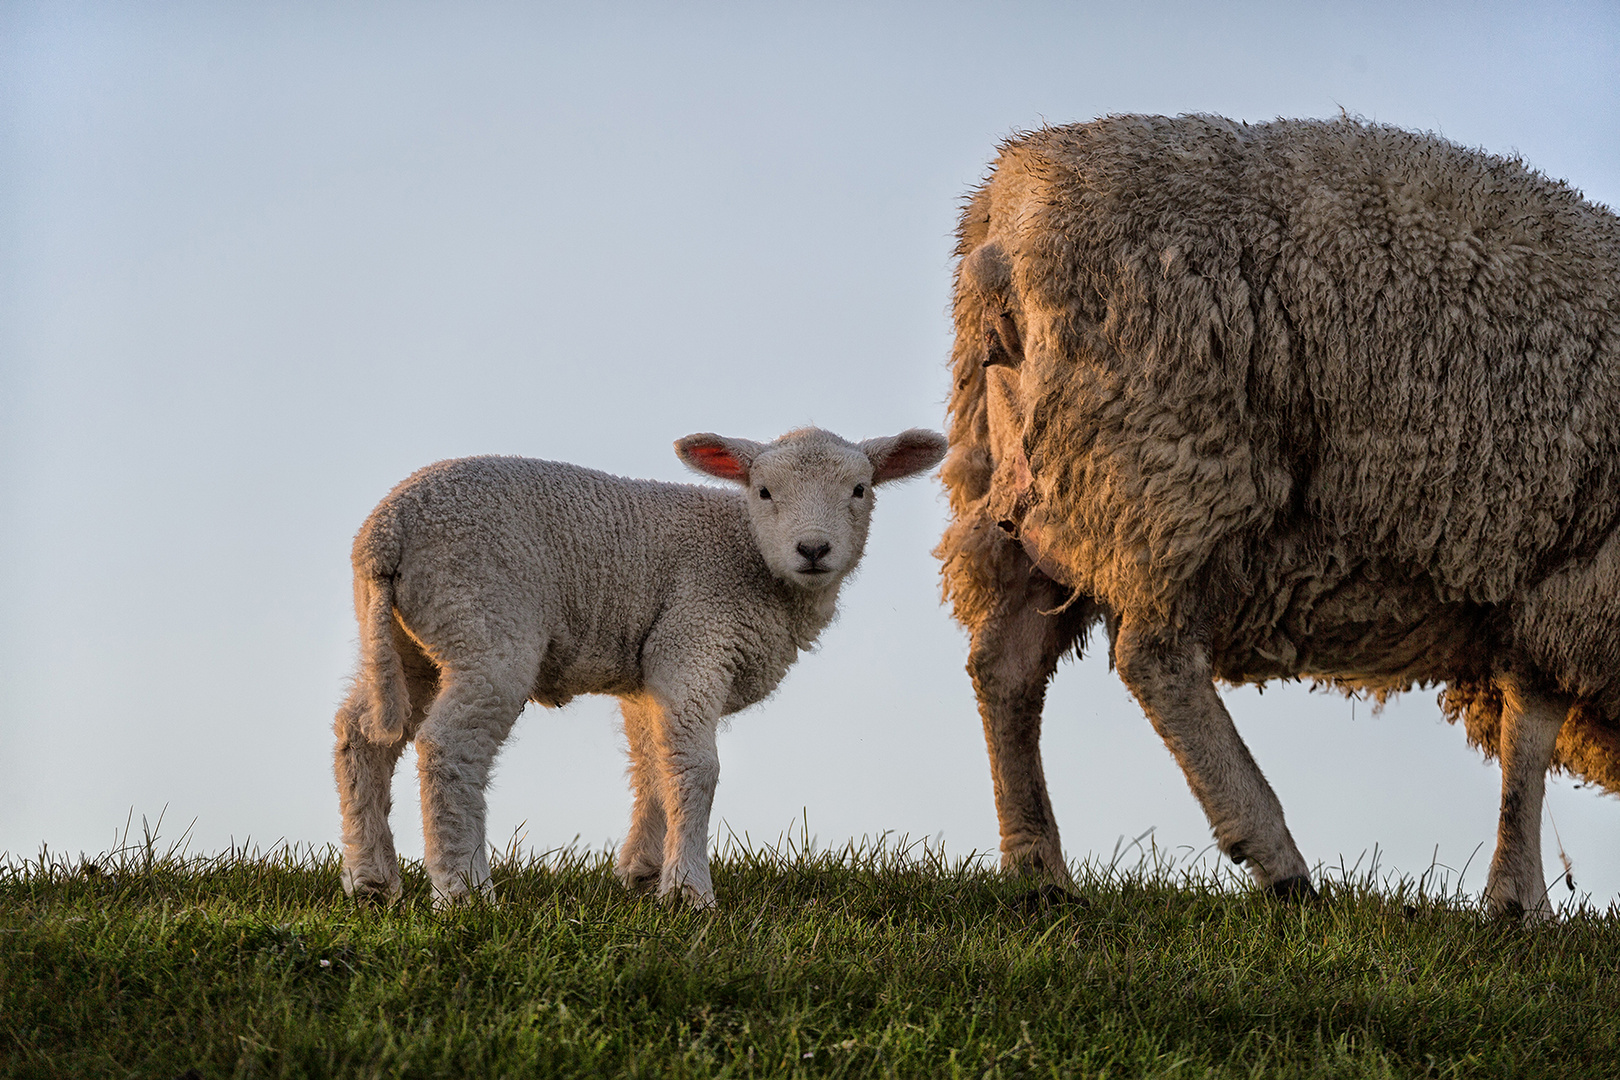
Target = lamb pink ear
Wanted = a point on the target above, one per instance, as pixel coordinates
(895, 457)
(715, 455)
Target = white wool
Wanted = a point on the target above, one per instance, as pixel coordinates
(484, 583)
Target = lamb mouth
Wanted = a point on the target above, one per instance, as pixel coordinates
(815, 569)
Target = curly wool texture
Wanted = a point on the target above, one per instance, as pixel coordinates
(1342, 400)
(487, 582)
(505, 549)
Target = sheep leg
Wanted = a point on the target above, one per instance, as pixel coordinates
(641, 859)
(1530, 725)
(1175, 686)
(365, 773)
(455, 749)
(1011, 660)
(688, 766)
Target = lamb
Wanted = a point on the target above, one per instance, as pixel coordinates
(1303, 399)
(484, 583)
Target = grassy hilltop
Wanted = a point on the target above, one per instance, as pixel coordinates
(875, 961)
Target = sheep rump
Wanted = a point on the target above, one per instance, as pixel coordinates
(1317, 399)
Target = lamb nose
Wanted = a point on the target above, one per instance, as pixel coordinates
(814, 553)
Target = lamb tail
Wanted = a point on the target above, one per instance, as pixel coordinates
(380, 665)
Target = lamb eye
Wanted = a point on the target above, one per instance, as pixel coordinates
(860, 489)
(765, 493)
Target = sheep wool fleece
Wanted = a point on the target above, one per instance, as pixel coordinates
(484, 583)
(1318, 399)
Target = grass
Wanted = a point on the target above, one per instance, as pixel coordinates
(877, 960)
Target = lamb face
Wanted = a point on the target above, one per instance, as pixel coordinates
(809, 493)
(809, 507)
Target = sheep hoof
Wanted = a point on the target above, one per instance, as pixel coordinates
(369, 891)
(1510, 910)
(640, 882)
(1296, 889)
(375, 898)
(688, 896)
(462, 893)
(1047, 897)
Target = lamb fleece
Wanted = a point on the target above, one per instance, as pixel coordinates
(1326, 399)
(486, 582)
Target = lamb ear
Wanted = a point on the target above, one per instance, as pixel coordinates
(716, 455)
(895, 457)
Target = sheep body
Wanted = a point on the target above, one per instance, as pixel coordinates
(1302, 399)
(483, 583)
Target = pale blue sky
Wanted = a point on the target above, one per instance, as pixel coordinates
(258, 262)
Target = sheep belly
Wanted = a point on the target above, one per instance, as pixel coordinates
(1362, 631)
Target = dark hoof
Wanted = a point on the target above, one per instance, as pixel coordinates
(1295, 890)
(1047, 898)
(375, 895)
(642, 884)
(1507, 911)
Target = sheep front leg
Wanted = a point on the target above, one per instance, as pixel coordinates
(1530, 725)
(1011, 661)
(1175, 686)
(681, 737)
(641, 860)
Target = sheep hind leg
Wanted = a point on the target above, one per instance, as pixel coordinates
(1011, 661)
(1175, 686)
(641, 858)
(1530, 726)
(455, 751)
(365, 773)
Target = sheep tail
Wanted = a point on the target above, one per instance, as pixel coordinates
(389, 706)
(378, 550)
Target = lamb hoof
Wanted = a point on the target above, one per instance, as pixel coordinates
(1296, 889)
(461, 894)
(689, 897)
(640, 882)
(370, 891)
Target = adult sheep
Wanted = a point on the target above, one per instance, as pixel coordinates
(1304, 399)
(484, 583)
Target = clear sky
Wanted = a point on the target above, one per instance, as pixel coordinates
(259, 262)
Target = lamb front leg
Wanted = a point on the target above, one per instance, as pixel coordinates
(1011, 661)
(690, 764)
(1172, 680)
(1530, 726)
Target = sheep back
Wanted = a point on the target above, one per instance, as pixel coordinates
(487, 550)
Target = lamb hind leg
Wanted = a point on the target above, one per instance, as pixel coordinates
(365, 773)
(1011, 661)
(1175, 686)
(455, 750)
(1530, 725)
(641, 859)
